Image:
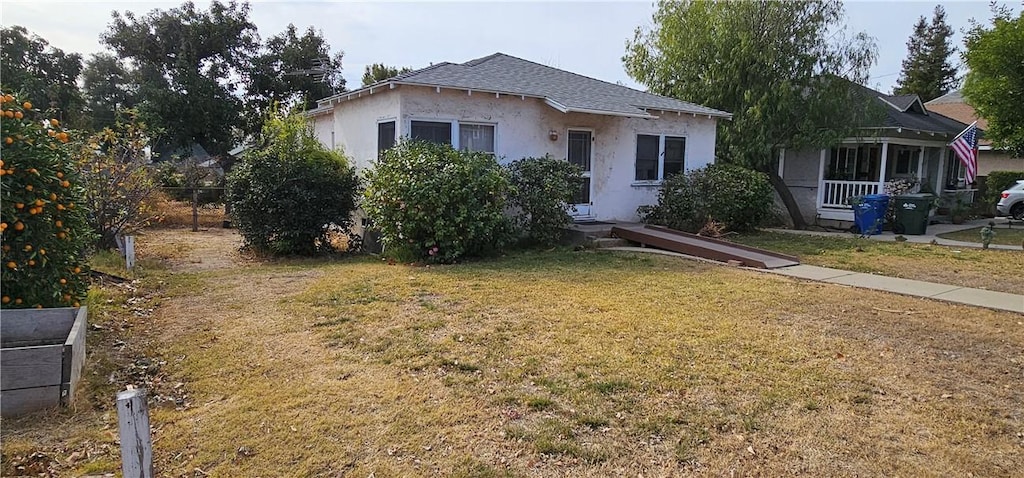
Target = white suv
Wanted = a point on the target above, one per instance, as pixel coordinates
(1011, 202)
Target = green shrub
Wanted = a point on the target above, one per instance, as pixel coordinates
(289, 193)
(44, 231)
(998, 181)
(542, 193)
(434, 203)
(739, 199)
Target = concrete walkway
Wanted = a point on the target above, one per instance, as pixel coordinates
(931, 234)
(916, 288)
(930, 290)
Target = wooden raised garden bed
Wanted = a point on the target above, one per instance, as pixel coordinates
(41, 357)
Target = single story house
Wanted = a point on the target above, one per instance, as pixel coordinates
(954, 106)
(908, 142)
(625, 140)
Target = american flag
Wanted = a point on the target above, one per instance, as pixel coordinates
(965, 145)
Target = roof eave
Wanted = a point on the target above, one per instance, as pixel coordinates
(713, 114)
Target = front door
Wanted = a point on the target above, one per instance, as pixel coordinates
(580, 153)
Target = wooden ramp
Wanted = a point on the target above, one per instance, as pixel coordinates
(706, 247)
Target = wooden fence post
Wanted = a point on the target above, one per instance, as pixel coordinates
(195, 209)
(133, 425)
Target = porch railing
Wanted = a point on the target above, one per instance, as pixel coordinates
(835, 193)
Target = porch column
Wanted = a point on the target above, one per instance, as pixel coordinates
(881, 168)
(920, 164)
(821, 178)
(939, 184)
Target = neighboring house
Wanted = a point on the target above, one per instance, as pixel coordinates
(906, 142)
(953, 105)
(626, 141)
(211, 165)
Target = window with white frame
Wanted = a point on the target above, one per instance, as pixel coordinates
(659, 156)
(476, 137)
(433, 131)
(385, 136)
(467, 136)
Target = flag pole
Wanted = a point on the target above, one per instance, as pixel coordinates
(962, 132)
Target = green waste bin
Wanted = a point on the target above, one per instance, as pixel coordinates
(912, 213)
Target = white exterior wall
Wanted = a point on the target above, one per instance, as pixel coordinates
(323, 128)
(353, 125)
(522, 127)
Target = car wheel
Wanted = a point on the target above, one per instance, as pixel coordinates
(1017, 211)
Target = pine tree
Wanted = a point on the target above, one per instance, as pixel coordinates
(927, 71)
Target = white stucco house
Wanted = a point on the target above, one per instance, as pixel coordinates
(625, 140)
(906, 142)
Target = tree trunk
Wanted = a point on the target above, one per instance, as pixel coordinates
(787, 199)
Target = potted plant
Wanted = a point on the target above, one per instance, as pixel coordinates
(44, 236)
(960, 208)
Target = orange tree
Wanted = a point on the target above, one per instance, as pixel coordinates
(45, 234)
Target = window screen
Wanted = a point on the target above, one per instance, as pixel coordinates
(646, 157)
(675, 151)
(385, 136)
(433, 131)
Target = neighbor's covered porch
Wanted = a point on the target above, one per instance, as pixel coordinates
(905, 166)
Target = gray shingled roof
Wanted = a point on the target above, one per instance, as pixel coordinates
(898, 114)
(563, 90)
(901, 102)
(952, 97)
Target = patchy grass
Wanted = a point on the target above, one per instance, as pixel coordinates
(1004, 235)
(566, 364)
(967, 267)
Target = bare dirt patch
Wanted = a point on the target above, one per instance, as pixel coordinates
(187, 251)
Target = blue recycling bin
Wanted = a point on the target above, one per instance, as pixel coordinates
(869, 213)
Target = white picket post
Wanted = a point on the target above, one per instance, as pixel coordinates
(129, 252)
(133, 425)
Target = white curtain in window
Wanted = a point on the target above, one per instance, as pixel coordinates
(476, 137)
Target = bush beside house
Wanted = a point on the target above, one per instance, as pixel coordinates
(432, 202)
(44, 229)
(290, 193)
(542, 189)
(729, 197)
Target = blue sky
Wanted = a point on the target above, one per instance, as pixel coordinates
(584, 37)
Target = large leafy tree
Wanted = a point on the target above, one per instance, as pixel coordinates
(108, 87)
(777, 66)
(379, 72)
(42, 74)
(994, 86)
(292, 71)
(189, 65)
(927, 71)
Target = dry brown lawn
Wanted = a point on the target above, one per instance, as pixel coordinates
(546, 364)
